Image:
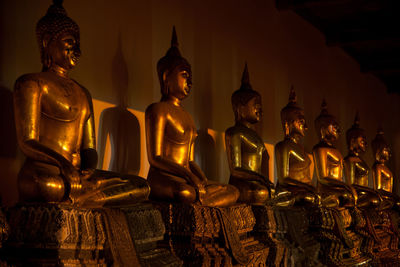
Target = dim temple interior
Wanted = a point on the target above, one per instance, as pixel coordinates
(200, 133)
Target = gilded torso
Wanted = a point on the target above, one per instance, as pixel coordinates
(58, 109)
(293, 161)
(383, 177)
(179, 131)
(356, 170)
(245, 148)
(328, 161)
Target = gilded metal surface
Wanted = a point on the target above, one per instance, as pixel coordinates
(382, 176)
(293, 163)
(247, 156)
(329, 161)
(356, 169)
(170, 135)
(55, 127)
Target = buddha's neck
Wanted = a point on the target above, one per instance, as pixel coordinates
(59, 71)
(244, 123)
(172, 99)
(294, 138)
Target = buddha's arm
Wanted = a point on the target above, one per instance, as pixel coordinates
(233, 148)
(265, 166)
(27, 98)
(349, 170)
(155, 128)
(320, 158)
(282, 161)
(88, 146)
(197, 171)
(377, 178)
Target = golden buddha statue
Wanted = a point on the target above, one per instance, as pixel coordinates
(329, 161)
(247, 156)
(294, 164)
(356, 169)
(170, 135)
(55, 128)
(382, 176)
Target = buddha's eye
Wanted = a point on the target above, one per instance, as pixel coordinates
(185, 74)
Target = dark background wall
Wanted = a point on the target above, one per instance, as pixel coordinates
(121, 42)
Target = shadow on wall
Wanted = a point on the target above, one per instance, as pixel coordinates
(120, 125)
(8, 140)
(10, 160)
(206, 154)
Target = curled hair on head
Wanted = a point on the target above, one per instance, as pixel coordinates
(324, 119)
(355, 131)
(52, 25)
(244, 94)
(170, 61)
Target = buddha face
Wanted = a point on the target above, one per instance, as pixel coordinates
(359, 144)
(331, 131)
(64, 51)
(298, 126)
(179, 82)
(252, 110)
(383, 154)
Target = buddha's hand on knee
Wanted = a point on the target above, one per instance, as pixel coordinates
(73, 178)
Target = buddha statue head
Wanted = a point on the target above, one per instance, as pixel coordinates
(380, 147)
(246, 102)
(326, 125)
(292, 117)
(174, 72)
(356, 138)
(58, 38)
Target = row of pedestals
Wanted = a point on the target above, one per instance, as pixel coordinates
(174, 234)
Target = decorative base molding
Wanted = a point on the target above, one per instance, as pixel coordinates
(209, 236)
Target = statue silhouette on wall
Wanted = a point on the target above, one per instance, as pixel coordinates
(120, 124)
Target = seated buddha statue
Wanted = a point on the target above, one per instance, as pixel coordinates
(55, 128)
(356, 169)
(247, 156)
(294, 164)
(170, 135)
(329, 161)
(382, 176)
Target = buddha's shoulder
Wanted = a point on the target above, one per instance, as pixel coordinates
(285, 143)
(234, 130)
(164, 107)
(30, 78)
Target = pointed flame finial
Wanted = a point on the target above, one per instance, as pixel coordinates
(174, 38)
(357, 119)
(292, 96)
(245, 79)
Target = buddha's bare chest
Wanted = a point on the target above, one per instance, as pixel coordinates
(180, 127)
(63, 101)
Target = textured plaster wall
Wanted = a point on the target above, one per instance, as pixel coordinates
(121, 42)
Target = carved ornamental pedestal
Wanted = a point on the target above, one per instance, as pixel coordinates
(384, 245)
(336, 230)
(208, 236)
(59, 235)
(285, 230)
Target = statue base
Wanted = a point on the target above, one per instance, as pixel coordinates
(340, 243)
(210, 236)
(285, 230)
(62, 235)
(384, 245)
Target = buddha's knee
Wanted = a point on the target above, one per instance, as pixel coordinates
(186, 193)
(141, 186)
(41, 188)
(260, 195)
